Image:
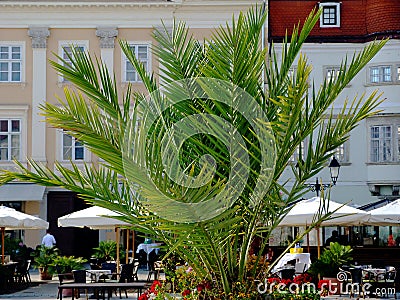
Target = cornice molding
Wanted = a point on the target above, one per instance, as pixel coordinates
(87, 4)
(196, 13)
(150, 3)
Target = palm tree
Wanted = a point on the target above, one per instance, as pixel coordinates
(157, 148)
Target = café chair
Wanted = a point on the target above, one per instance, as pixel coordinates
(351, 282)
(155, 269)
(126, 275)
(63, 278)
(80, 277)
(390, 277)
(22, 272)
(112, 266)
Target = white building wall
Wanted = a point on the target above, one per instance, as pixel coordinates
(355, 176)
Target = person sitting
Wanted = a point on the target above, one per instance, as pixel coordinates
(333, 238)
(391, 242)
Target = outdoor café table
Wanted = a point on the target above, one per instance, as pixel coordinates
(299, 257)
(95, 274)
(373, 274)
(7, 274)
(148, 248)
(103, 287)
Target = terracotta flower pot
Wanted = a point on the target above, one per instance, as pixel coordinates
(44, 274)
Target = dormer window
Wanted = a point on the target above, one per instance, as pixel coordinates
(330, 16)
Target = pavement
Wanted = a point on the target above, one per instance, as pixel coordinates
(48, 289)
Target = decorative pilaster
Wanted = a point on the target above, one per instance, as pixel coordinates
(107, 36)
(39, 36)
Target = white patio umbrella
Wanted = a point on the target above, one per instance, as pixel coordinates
(12, 219)
(386, 215)
(94, 217)
(304, 213)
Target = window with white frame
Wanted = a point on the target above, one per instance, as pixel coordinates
(298, 153)
(380, 74)
(65, 50)
(398, 73)
(330, 16)
(342, 152)
(142, 53)
(72, 149)
(381, 143)
(292, 72)
(398, 142)
(10, 139)
(332, 73)
(11, 63)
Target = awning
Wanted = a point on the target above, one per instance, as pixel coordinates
(21, 192)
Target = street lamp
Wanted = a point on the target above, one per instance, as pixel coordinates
(334, 168)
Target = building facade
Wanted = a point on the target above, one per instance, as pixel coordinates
(34, 32)
(371, 158)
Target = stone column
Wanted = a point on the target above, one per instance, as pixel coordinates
(107, 37)
(39, 37)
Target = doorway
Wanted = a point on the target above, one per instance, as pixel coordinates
(71, 241)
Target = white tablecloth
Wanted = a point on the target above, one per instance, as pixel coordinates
(299, 257)
(148, 247)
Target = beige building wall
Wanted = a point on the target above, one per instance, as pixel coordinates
(53, 22)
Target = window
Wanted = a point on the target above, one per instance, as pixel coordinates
(10, 139)
(141, 52)
(330, 16)
(398, 74)
(292, 72)
(384, 139)
(10, 63)
(72, 149)
(332, 73)
(398, 142)
(296, 155)
(381, 143)
(342, 152)
(379, 74)
(65, 50)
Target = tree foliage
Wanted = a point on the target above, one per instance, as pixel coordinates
(133, 179)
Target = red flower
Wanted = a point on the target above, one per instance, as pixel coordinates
(274, 279)
(302, 278)
(185, 293)
(324, 284)
(153, 288)
(286, 281)
(143, 296)
(207, 285)
(200, 287)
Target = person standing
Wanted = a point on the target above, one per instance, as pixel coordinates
(49, 240)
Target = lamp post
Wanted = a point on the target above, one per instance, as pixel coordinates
(334, 168)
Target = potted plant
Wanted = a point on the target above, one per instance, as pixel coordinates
(107, 251)
(330, 261)
(66, 264)
(63, 267)
(43, 259)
